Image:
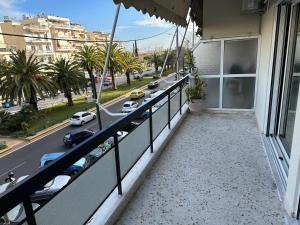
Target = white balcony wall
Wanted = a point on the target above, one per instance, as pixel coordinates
(220, 23)
(265, 66)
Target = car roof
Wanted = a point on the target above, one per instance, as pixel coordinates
(51, 156)
(129, 102)
(76, 131)
(79, 113)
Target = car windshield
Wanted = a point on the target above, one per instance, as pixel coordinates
(67, 136)
(75, 117)
(126, 105)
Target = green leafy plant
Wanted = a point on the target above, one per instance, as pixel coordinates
(196, 89)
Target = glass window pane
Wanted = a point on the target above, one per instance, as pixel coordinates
(238, 93)
(240, 56)
(208, 58)
(212, 92)
(287, 126)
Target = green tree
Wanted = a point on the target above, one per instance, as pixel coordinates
(156, 60)
(131, 64)
(4, 67)
(25, 80)
(68, 78)
(116, 60)
(190, 59)
(90, 59)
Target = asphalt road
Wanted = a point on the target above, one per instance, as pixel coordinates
(25, 160)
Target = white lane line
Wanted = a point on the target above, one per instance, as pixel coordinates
(21, 164)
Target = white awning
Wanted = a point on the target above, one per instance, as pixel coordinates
(174, 11)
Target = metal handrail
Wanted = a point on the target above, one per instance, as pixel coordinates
(22, 190)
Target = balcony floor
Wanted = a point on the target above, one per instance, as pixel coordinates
(214, 171)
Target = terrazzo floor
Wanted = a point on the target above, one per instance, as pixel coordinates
(214, 171)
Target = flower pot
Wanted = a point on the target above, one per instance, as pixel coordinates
(196, 106)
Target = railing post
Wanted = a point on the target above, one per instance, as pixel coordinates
(151, 129)
(180, 99)
(118, 169)
(169, 110)
(29, 211)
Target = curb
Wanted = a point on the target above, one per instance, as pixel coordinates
(7, 149)
(53, 128)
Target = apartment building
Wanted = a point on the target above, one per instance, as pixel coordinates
(62, 29)
(36, 29)
(8, 43)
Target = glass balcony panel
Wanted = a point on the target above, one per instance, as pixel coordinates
(175, 103)
(160, 119)
(240, 56)
(208, 58)
(83, 196)
(238, 93)
(184, 97)
(133, 146)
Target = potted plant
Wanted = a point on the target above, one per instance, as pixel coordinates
(195, 94)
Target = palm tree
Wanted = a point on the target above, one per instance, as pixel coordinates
(116, 61)
(25, 80)
(4, 67)
(89, 59)
(68, 77)
(156, 60)
(130, 65)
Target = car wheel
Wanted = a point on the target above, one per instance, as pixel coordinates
(75, 172)
(94, 117)
(82, 123)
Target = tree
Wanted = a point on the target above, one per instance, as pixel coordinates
(130, 64)
(116, 60)
(25, 80)
(68, 78)
(90, 59)
(190, 60)
(4, 67)
(156, 60)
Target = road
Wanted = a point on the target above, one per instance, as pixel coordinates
(25, 160)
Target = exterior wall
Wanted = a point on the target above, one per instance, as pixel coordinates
(265, 67)
(220, 23)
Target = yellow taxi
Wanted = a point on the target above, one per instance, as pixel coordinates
(138, 93)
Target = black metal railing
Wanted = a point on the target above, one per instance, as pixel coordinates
(21, 193)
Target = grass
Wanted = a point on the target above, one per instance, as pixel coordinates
(61, 111)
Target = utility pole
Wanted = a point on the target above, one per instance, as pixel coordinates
(177, 54)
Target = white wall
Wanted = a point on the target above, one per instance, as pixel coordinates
(224, 19)
(265, 67)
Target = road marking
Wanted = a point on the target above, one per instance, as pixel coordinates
(16, 167)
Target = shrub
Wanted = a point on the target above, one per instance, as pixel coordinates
(3, 146)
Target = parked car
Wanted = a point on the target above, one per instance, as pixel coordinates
(77, 136)
(131, 126)
(107, 81)
(136, 94)
(50, 189)
(71, 170)
(153, 85)
(107, 145)
(80, 118)
(146, 114)
(129, 106)
(137, 75)
(6, 105)
(17, 214)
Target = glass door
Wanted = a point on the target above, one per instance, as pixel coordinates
(285, 82)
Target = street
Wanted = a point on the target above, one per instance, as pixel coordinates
(25, 160)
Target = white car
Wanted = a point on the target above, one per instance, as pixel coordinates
(147, 100)
(129, 106)
(81, 118)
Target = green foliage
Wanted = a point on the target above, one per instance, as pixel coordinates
(3, 146)
(189, 59)
(196, 89)
(25, 80)
(68, 77)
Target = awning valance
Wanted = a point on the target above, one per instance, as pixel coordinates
(174, 11)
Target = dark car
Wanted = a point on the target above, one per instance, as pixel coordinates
(153, 85)
(131, 126)
(77, 136)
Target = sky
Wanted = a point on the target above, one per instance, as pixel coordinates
(98, 15)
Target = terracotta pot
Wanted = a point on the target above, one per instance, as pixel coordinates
(196, 106)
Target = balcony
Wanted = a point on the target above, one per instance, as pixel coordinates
(36, 29)
(210, 170)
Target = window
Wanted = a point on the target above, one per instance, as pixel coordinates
(229, 68)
